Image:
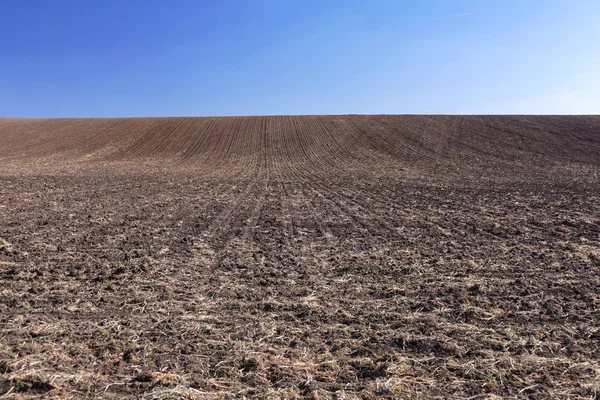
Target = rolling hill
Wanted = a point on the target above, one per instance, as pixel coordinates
(287, 145)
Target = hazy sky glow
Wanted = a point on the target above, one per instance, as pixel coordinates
(189, 57)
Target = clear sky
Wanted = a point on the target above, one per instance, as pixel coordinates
(85, 58)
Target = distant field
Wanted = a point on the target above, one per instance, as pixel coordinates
(359, 256)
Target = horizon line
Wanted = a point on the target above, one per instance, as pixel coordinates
(312, 115)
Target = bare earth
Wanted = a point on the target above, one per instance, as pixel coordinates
(300, 257)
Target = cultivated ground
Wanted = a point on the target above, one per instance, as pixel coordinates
(300, 257)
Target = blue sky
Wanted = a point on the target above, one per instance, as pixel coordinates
(86, 58)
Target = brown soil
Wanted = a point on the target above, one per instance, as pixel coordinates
(300, 257)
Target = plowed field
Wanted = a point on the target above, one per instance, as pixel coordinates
(300, 257)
